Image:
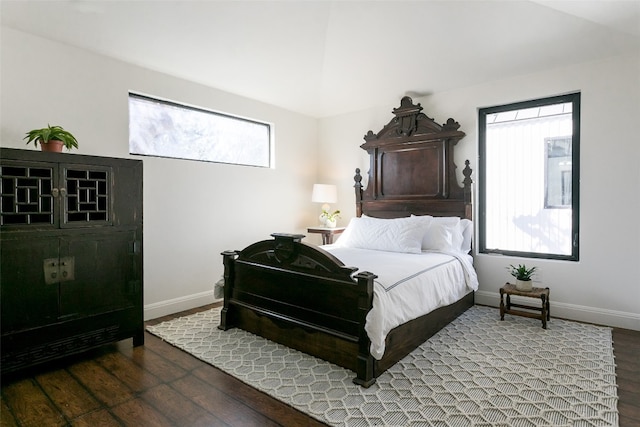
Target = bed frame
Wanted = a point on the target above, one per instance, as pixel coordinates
(303, 297)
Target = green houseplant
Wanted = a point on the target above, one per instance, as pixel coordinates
(52, 138)
(523, 276)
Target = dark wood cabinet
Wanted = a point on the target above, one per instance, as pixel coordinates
(71, 254)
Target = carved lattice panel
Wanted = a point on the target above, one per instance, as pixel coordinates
(87, 195)
(26, 194)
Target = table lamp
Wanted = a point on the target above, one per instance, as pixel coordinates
(325, 194)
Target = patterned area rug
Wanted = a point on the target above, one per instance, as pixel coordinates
(478, 371)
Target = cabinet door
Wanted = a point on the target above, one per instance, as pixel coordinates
(105, 274)
(86, 192)
(27, 300)
(28, 194)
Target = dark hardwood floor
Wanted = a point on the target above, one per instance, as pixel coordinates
(159, 385)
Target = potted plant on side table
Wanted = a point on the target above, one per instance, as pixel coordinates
(52, 138)
(330, 219)
(523, 276)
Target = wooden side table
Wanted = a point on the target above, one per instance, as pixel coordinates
(327, 233)
(543, 293)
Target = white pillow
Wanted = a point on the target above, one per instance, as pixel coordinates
(445, 233)
(451, 224)
(392, 235)
(466, 225)
(439, 237)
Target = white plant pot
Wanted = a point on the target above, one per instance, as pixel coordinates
(330, 224)
(524, 285)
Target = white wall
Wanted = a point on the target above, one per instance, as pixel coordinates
(603, 286)
(192, 210)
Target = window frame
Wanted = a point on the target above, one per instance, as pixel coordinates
(573, 98)
(270, 164)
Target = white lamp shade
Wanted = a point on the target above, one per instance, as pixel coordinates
(324, 193)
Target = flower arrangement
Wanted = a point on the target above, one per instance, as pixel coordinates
(330, 216)
(329, 219)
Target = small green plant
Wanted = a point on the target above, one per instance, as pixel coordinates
(49, 133)
(521, 272)
(330, 216)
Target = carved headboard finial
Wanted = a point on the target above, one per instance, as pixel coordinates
(407, 116)
(451, 125)
(407, 102)
(467, 171)
(358, 187)
(408, 122)
(358, 178)
(370, 135)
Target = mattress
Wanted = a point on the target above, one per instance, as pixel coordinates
(408, 285)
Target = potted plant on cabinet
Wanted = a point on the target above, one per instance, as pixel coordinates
(523, 276)
(52, 138)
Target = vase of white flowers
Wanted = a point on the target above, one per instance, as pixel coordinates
(330, 220)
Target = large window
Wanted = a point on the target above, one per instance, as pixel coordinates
(168, 129)
(529, 178)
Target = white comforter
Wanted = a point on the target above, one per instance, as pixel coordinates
(408, 285)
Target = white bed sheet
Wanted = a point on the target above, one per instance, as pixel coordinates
(408, 285)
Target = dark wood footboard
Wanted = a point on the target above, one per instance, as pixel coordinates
(303, 297)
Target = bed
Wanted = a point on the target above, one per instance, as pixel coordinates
(317, 299)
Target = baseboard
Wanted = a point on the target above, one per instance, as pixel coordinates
(163, 308)
(598, 316)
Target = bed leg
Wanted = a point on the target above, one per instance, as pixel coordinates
(364, 367)
(366, 382)
(228, 259)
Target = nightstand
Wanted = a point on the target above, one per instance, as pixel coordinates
(327, 233)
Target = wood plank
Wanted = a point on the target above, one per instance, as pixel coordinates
(71, 398)
(627, 337)
(629, 414)
(31, 406)
(179, 408)
(128, 371)
(136, 413)
(627, 356)
(626, 347)
(101, 418)
(6, 417)
(152, 362)
(104, 386)
(226, 407)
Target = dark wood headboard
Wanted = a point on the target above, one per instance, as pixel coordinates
(412, 169)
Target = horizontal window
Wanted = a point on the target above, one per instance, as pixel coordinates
(168, 129)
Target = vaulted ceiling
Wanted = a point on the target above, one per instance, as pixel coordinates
(323, 58)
